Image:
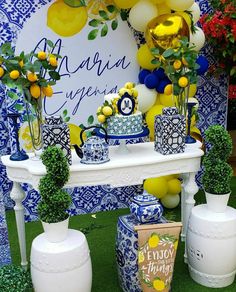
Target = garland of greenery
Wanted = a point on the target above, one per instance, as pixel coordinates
(54, 201)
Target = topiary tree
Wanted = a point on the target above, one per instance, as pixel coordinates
(217, 172)
(54, 201)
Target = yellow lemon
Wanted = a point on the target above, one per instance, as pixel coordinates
(183, 81)
(168, 89)
(101, 119)
(153, 241)
(47, 91)
(176, 244)
(107, 111)
(14, 74)
(141, 257)
(177, 64)
(174, 186)
(158, 285)
(184, 62)
(99, 109)
(75, 134)
(42, 55)
(35, 90)
(93, 8)
(65, 20)
(53, 61)
(1, 72)
(134, 92)
(21, 63)
(129, 85)
(32, 77)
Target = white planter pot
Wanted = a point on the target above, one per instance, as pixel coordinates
(217, 203)
(56, 232)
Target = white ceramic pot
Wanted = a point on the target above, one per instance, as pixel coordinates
(217, 203)
(211, 246)
(56, 232)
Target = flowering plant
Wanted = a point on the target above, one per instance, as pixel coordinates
(220, 30)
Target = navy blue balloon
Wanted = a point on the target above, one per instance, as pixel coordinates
(203, 63)
(151, 81)
(160, 73)
(142, 74)
(161, 86)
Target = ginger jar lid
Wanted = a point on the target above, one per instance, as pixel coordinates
(145, 199)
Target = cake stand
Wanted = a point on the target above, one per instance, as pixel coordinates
(123, 149)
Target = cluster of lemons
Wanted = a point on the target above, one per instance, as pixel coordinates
(105, 111)
(32, 77)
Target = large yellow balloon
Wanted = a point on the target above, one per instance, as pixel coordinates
(125, 4)
(165, 31)
(144, 58)
(174, 186)
(156, 186)
(192, 90)
(157, 1)
(179, 5)
(167, 100)
(163, 9)
(150, 118)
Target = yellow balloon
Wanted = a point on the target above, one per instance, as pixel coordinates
(164, 31)
(192, 90)
(144, 58)
(125, 4)
(150, 117)
(158, 100)
(156, 186)
(187, 18)
(171, 176)
(174, 186)
(167, 100)
(163, 9)
(157, 1)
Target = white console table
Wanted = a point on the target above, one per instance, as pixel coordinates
(123, 169)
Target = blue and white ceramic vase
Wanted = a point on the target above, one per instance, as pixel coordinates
(146, 208)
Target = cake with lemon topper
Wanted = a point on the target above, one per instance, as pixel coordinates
(119, 112)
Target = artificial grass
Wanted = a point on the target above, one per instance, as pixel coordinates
(101, 233)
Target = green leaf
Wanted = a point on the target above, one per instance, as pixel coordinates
(54, 75)
(51, 82)
(18, 107)
(37, 66)
(168, 53)
(114, 24)
(155, 51)
(90, 120)
(81, 126)
(6, 48)
(124, 14)
(111, 8)
(93, 34)
(155, 62)
(104, 30)
(75, 3)
(65, 112)
(12, 95)
(103, 14)
(50, 43)
(94, 22)
(67, 119)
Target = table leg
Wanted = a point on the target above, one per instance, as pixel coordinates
(185, 177)
(190, 188)
(17, 195)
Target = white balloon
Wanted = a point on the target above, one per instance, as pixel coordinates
(170, 201)
(179, 5)
(198, 38)
(195, 10)
(146, 97)
(141, 13)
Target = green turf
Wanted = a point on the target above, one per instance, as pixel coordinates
(101, 233)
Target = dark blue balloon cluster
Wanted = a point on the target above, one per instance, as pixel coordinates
(204, 65)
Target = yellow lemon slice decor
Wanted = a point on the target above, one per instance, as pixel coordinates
(158, 285)
(24, 136)
(65, 20)
(153, 241)
(75, 134)
(94, 7)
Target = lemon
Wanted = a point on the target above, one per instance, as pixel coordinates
(177, 64)
(21, 63)
(65, 20)
(158, 285)
(99, 109)
(176, 244)
(134, 92)
(129, 85)
(1, 72)
(153, 241)
(32, 77)
(75, 134)
(93, 8)
(184, 62)
(141, 257)
(101, 119)
(14, 74)
(53, 61)
(42, 55)
(35, 90)
(47, 91)
(107, 111)
(168, 89)
(183, 81)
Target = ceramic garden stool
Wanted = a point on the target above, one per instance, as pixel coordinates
(63, 266)
(211, 246)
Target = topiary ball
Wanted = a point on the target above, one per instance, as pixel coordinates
(142, 74)
(160, 73)
(162, 84)
(204, 65)
(151, 81)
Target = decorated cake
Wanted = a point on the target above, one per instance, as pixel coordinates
(119, 112)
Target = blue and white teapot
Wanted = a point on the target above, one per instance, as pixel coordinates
(94, 150)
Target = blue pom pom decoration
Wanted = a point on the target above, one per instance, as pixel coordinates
(162, 84)
(151, 81)
(160, 73)
(203, 63)
(142, 74)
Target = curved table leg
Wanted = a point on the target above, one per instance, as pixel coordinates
(190, 188)
(18, 195)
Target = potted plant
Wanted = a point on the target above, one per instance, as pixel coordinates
(52, 209)
(217, 173)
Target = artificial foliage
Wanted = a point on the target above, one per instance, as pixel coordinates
(54, 200)
(217, 172)
(14, 279)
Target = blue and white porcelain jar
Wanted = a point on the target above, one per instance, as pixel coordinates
(146, 208)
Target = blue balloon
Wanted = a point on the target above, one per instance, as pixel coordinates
(142, 74)
(151, 81)
(161, 86)
(203, 63)
(160, 73)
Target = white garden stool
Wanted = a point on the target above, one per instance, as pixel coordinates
(63, 266)
(211, 246)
